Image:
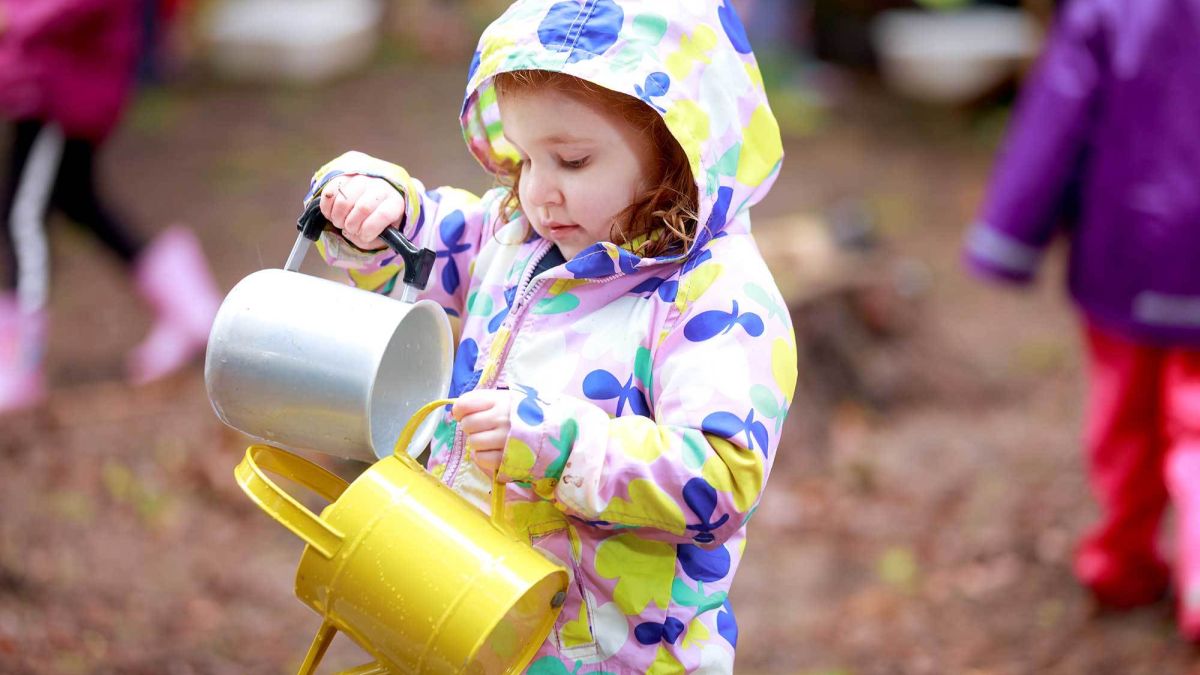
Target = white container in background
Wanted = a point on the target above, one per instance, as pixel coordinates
(294, 41)
(951, 57)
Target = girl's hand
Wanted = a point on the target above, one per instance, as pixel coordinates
(361, 207)
(483, 417)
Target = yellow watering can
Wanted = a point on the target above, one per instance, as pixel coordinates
(413, 573)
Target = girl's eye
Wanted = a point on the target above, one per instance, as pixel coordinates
(574, 163)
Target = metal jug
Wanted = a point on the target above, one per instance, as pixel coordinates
(306, 363)
(412, 572)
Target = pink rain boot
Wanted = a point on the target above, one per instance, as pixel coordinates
(22, 341)
(172, 275)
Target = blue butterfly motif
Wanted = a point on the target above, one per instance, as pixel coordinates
(727, 624)
(595, 262)
(717, 219)
(451, 231)
(465, 376)
(728, 425)
(734, 27)
(510, 296)
(701, 498)
(651, 633)
(657, 84)
(648, 287)
(702, 565)
(601, 385)
(707, 325)
(529, 409)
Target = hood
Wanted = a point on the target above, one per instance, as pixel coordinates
(691, 61)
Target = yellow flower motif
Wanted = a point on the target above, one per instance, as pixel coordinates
(693, 49)
(498, 343)
(691, 126)
(783, 366)
(518, 459)
(734, 470)
(534, 519)
(762, 150)
(577, 631)
(665, 664)
(697, 283)
(755, 74)
(639, 438)
(374, 280)
(561, 286)
(647, 505)
(643, 569)
(697, 634)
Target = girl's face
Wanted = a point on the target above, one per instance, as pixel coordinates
(581, 166)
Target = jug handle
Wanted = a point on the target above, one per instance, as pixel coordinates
(320, 644)
(282, 506)
(418, 262)
(401, 452)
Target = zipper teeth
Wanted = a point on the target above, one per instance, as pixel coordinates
(456, 453)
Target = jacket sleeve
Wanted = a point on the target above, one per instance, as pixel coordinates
(1042, 153)
(693, 469)
(453, 223)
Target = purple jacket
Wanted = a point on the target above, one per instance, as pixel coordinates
(1106, 141)
(68, 61)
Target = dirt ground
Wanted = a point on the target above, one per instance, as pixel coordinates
(926, 528)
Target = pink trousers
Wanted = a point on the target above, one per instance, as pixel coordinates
(1143, 449)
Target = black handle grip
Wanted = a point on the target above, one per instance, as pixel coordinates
(418, 262)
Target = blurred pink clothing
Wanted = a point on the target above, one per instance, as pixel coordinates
(69, 62)
(1143, 441)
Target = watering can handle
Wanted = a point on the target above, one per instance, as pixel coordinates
(418, 262)
(280, 505)
(401, 453)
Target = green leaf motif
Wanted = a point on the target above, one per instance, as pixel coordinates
(764, 401)
(479, 304)
(686, 596)
(695, 449)
(564, 443)
(726, 166)
(761, 296)
(559, 304)
(643, 367)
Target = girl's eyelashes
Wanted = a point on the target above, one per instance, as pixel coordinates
(574, 163)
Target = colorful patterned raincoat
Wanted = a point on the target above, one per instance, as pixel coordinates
(654, 389)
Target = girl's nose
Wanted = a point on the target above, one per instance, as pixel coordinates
(541, 189)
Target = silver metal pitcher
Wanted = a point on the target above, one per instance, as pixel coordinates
(305, 363)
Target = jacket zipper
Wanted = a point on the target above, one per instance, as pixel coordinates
(520, 306)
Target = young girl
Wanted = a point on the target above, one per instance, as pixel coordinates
(626, 360)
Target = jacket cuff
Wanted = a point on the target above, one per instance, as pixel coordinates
(993, 255)
(539, 442)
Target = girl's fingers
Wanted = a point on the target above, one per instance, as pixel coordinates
(389, 212)
(471, 402)
(488, 460)
(492, 439)
(485, 420)
(370, 199)
(346, 192)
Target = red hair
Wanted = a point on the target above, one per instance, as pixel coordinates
(668, 208)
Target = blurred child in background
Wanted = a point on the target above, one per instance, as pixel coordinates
(66, 69)
(1105, 139)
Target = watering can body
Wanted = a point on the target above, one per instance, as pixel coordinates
(411, 571)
